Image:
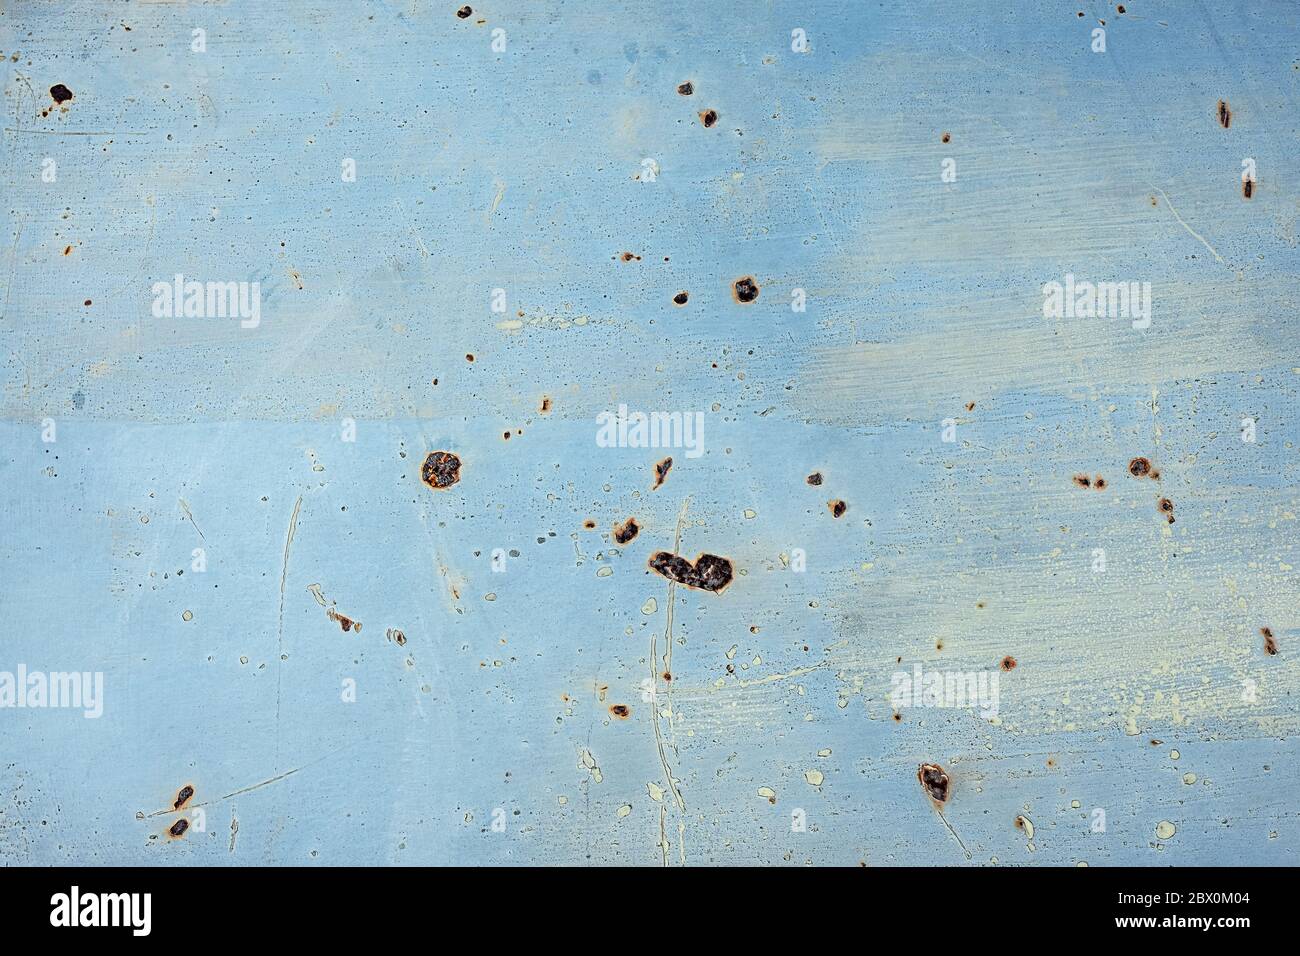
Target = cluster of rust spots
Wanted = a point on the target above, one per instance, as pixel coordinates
(1270, 642)
(661, 472)
(441, 469)
(1167, 509)
(935, 782)
(708, 572)
(681, 298)
(183, 796)
(838, 507)
(1141, 468)
(686, 89)
(1225, 114)
(621, 711)
(709, 118)
(814, 479)
(1083, 481)
(465, 13)
(630, 257)
(744, 290)
(626, 531)
(343, 620)
(1008, 663)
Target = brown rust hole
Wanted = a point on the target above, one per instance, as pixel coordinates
(1008, 663)
(686, 89)
(1225, 114)
(625, 532)
(709, 118)
(1247, 187)
(343, 620)
(621, 711)
(183, 796)
(589, 524)
(60, 93)
(1099, 483)
(744, 289)
(1083, 481)
(465, 13)
(814, 479)
(545, 407)
(1270, 642)
(177, 829)
(1139, 467)
(898, 718)
(661, 472)
(630, 257)
(946, 138)
(469, 356)
(838, 507)
(441, 469)
(708, 572)
(1167, 509)
(681, 298)
(934, 779)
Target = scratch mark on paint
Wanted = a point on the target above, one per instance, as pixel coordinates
(1190, 230)
(186, 508)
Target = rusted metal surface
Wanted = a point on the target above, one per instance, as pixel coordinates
(917, 326)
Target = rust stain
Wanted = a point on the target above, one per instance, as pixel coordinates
(626, 531)
(1270, 642)
(621, 711)
(708, 118)
(686, 89)
(708, 572)
(934, 780)
(681, 298)
(838, 507)
(441, 469)
(661, 472)
(744, 289)
(177, 829)
(814, 479)
(183, 796)
(1225, 114)
(1008, 663)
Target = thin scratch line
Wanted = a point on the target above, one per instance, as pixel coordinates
(279, 659)
(1189, 228)
(186, 508)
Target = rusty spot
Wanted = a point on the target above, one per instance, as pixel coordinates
(837, 507)
(629, 256)
(708, 573)
(177, 829)
(1099, 483)
(625, 532)
(898, 718)
(1167, 507)
(1248, 187)
(343, 620)
(87, 302)
(60, 93)
(970, 406)
(667, 676)
(681, 297)
(814, 479)
(686, 89)
(505, 436)
(1225, 114)
(183, 796)
(1008, 663)
(465, 13)
(469, 356)
(621, 711)
(441, 469)
(589, 524)
(545, 407)
(1139, 467)
(1083, 481)
(1120, 9)
(67, 250)
(1270, 643)
(708, 117)
(661, 472)
(744, 289)
(945, 138)
(934, 779)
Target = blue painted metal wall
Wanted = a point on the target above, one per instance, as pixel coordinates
(525, 147)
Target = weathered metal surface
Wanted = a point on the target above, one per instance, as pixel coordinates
(371, 660)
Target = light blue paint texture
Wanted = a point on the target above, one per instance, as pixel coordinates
(522, 169)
